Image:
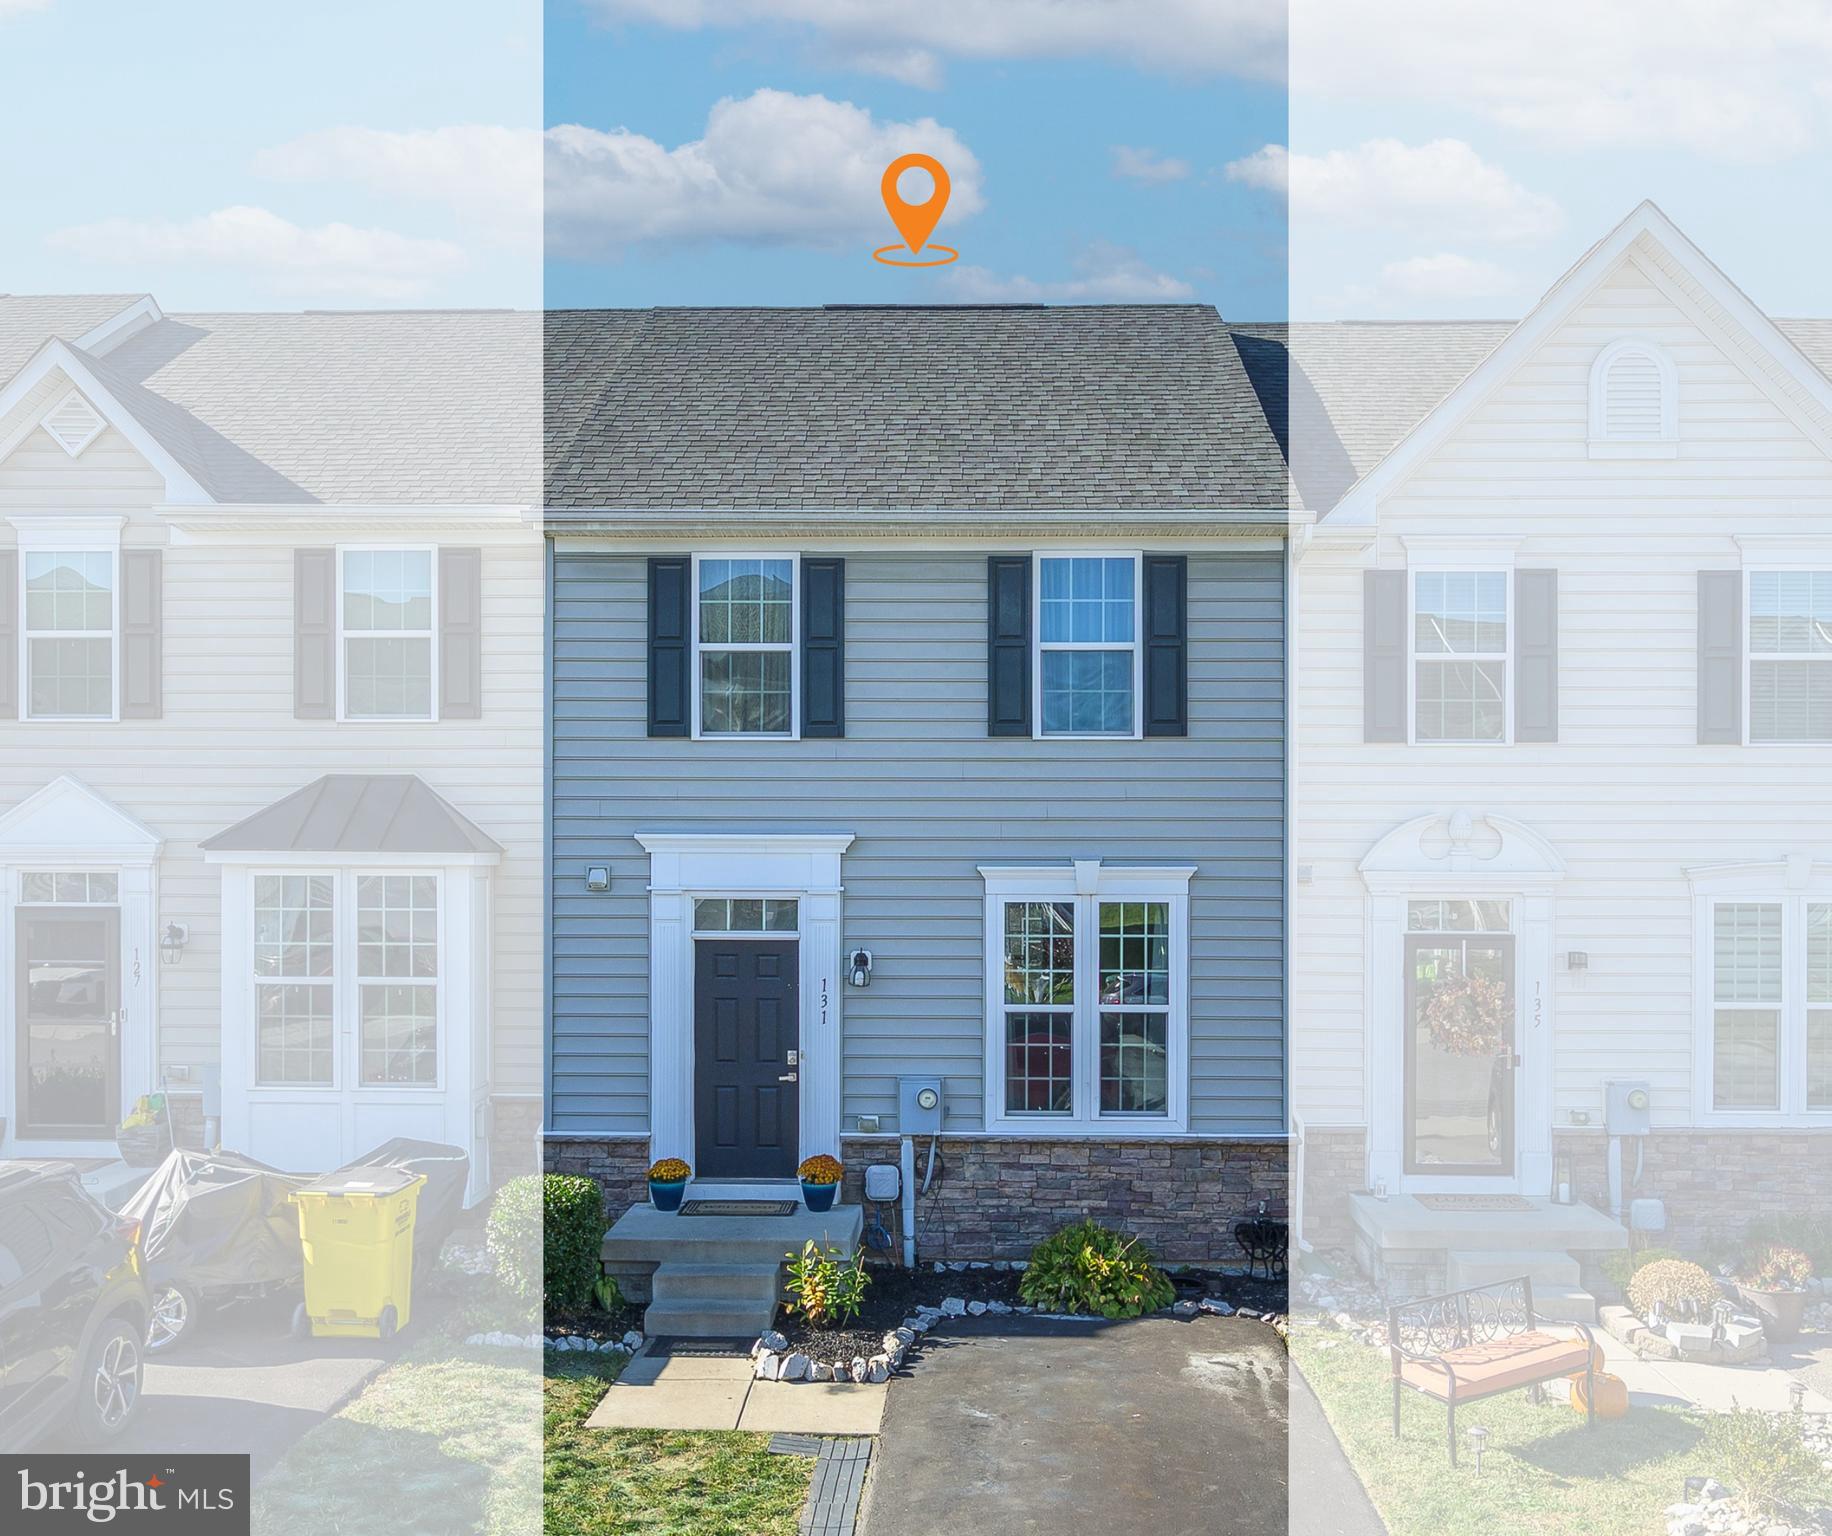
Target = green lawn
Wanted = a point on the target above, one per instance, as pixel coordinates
(1543, 1474)
(655, 1482)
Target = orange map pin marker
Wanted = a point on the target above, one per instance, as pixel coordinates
(915, 221)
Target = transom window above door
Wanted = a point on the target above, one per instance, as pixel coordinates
(744, 643)
(46, 887)
(70, 632)
(1438, 915)
(1790, 655)
(386, 623)
(1460, 655)
(746, 914)
(1087, 641)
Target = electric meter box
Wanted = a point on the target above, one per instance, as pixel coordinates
(1626, 1104)
(919, 1106)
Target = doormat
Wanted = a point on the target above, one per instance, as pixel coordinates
(740, 1207)
(699, 1349)
(1475, 1202)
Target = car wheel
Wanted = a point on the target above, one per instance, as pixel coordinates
(173, 1318)
(108, 1386)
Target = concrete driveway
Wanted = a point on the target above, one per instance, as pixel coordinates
(245, 1385)
(1015, 1426)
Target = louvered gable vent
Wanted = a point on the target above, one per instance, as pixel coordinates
(1631, 399)
(1634, 411)
(73, 423)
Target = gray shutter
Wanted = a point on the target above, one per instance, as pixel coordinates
(1008, 645)
(142, 631)
(9, 634)
(1720, 657)
(314, 634)
(1383, 656)
(1166, 646)
(1536, 655)
(823, 638)
(460, 634)
(670, 650)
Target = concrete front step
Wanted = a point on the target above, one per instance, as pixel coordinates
(1564, 1304)
(703, 1318)
(760, 1283)
(1546, 1268)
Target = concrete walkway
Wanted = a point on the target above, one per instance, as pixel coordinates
(718, 1392)
(1328, 1499)
(1024, 1427)
(1713, 1387)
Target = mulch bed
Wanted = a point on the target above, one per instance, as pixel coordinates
(593, 1324)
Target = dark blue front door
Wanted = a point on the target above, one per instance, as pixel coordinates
(746, 1048)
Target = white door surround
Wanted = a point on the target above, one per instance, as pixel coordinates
(68, 826)
(684, 865)
(1450, 856)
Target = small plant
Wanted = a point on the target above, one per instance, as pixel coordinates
(1087, 1268)
(1678, 1284)
(670, 1170)
(607, 1293)
(821, 1170)
(1763, 1459)
(828, 1287)
(513, 1237)
(1622, 1265)
(1775, 1268)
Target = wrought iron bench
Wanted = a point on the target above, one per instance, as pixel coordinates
(1474, 1343)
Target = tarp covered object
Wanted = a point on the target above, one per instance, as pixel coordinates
(218, 1219)
(447, 1170)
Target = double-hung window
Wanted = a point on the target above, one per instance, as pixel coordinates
(1087, 1011)
(1767, 1051)
(1088, 656)
(1790, 656)
(1460, 643)
(745, 677)
(387, 623)
(71, 633)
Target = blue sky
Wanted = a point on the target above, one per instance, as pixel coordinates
(1057, 220)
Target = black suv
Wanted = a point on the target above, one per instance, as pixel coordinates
(72, 1308)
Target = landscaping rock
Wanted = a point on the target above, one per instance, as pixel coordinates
(998, 1308)
(1187, 1308)
(632, 1341)
(841, 1371)
(953, 1306)
(820, 1371)
(904, 1335)
(768, 1368)
(1215, 1307)
(774, 1340)
(795, 1368)
(976, 1309)
(879, 1369)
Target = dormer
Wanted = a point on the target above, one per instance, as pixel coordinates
(1634, 402)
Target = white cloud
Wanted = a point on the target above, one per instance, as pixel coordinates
(1421, 287)
(773, 169)
(1729, 80)
(1443, 189)
(1243, 38)
(488, 175)
(370, 264)
(20, 7)
(1108, 274)
(1147, 165)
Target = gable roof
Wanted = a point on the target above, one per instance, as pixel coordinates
(357, 813)
(975, 408)
(1367, 401)
(429, 407)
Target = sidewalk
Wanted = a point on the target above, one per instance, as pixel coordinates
(1327, 1498)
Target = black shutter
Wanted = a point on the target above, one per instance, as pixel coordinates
(823, 638)
(1008, 645)
(670, 647)
(1167, 711)
(1383, 656)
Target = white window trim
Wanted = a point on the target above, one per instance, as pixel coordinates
(1087, 883)
(1793, 884)
(1816, 559)
(1472, 557)
(431, 551)
(793, 647)
(1137, 557)
(68, 535)
(346, 985)
(1601, 444)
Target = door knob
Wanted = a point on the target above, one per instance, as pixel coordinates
(787, 1077)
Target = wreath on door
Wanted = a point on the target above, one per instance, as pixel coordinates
(1467, 1014)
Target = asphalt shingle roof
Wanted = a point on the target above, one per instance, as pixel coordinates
(1097, 407)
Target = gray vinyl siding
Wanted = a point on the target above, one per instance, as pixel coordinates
(929, 797)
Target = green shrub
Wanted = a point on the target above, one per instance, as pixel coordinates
(1086, 1268)
(1683, 1286)
(1621, 1266)
(574, 1240)
(827, 1287)
(545, 1234)
(1763, 1459)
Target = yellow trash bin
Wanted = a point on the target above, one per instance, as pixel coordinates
(356, 1227)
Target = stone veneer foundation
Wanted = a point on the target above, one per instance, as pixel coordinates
(997, 1197)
